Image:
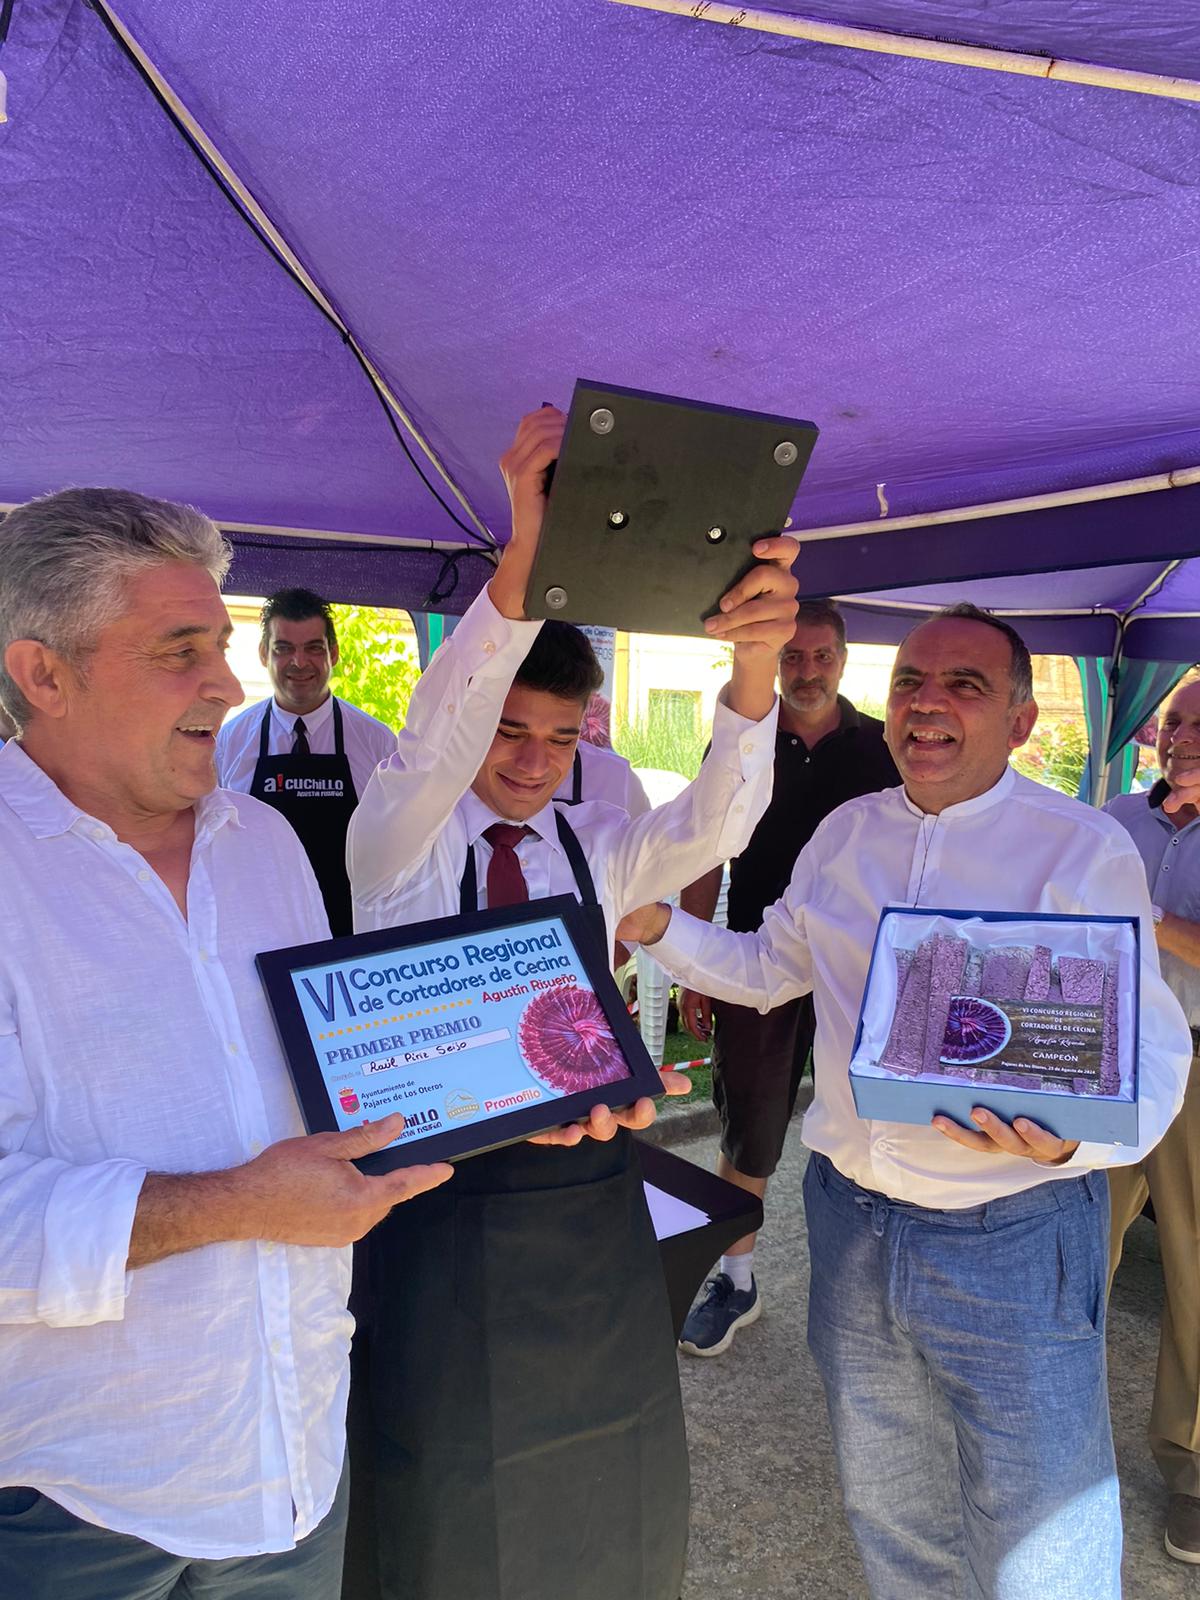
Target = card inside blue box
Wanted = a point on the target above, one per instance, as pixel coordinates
(1025, 1014)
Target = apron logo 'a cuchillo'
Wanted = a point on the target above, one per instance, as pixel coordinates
(333, 787)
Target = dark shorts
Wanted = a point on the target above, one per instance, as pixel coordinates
(757, 1065)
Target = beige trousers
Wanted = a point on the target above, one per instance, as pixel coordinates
(1170, 1176)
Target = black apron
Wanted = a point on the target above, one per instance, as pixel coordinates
(527, 1429)
(576, 782)
(317, 796)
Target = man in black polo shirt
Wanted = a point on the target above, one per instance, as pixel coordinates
(826, 753)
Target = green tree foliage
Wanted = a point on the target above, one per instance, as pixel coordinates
(1055, 755)
(377, 668)
(668, 744)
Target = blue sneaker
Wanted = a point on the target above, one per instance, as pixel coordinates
(713, 1321)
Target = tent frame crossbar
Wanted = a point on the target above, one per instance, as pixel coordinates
(274, 241)
(922, 47)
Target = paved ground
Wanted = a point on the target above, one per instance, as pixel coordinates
(766, 1515)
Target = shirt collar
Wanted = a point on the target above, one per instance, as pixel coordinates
(479, 817)
(47, 812)
(312, 719)
(977, 803)
(1158, 794)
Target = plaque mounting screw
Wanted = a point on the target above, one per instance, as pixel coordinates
(602, 420)
(786, 453)
(556, 598)
(617, 519)
(715, 535)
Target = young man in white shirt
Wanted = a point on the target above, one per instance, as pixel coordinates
(307, 752)
(173, 1270)
(956, 1308)
(528, 1430)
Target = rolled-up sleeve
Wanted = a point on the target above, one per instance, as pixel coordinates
(64, 1229)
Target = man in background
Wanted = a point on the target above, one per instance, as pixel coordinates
(826, 752)
(1168, 841)
(308, 752)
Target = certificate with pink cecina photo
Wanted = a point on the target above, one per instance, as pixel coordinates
(1024, 1014)
(481, 1029)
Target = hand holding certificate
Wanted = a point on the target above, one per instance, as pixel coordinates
(481, 1029)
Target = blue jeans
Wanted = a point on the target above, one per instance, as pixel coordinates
(962, 1354)
(48, 1554)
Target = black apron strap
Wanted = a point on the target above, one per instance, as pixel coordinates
(580, 870)
(576, 779)
(264, 737)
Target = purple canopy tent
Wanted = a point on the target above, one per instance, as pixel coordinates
(305, 266)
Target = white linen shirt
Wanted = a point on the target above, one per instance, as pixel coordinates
(1019, 847)
(191, 1402)
(409, 837)
(365, 739)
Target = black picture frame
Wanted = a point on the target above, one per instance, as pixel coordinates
(674, 491)
(276, 967)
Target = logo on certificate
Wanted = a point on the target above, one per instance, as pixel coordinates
(461, 1103)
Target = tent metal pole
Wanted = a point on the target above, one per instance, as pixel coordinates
(926, 49)
(1101, 765)
(862, 602)
(295, 266)
(1151, 589)
(383, 541)
(1181, 478)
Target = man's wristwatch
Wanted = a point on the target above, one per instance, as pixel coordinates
(1157, 913)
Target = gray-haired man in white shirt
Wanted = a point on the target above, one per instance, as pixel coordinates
(956, 1308)
(173, 1270)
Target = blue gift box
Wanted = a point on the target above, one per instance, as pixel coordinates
(883, 1095)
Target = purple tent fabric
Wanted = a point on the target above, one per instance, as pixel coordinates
(979, 286)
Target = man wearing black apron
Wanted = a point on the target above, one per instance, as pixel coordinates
(305, 752)
(525, 1428)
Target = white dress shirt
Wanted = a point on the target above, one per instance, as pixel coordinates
(365, 739)
(409, 837)
(1019, 847)
(605, 776)
(195, 1401)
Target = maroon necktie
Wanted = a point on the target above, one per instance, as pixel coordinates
(506, 884)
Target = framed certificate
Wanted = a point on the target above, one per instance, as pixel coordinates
(1024, 1013)
(482, 1029)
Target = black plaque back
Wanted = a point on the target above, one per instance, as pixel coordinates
(652, 514)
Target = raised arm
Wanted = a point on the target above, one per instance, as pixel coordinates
(456, 704)
(712, 820)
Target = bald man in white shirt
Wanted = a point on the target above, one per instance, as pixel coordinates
(956, 1308)
(173, 1261)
